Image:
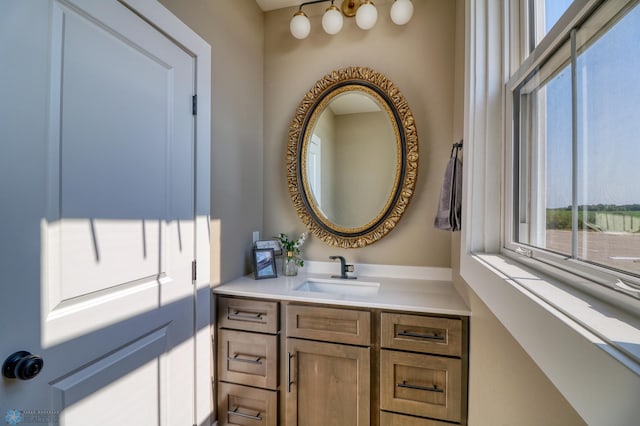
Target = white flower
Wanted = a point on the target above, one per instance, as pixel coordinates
(301, 239)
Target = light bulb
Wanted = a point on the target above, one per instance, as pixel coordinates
(401, 11)
(366, 16)
(300, 26)
(332, 20)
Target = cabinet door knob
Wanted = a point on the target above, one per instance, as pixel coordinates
(22, 365)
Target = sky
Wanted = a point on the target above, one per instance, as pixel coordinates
(608, 118)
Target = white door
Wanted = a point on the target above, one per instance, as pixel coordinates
(97, 215)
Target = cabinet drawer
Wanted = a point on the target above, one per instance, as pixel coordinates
(421, 385)
(241, 405)
(247, 314)
(394, 419)
(417, 333)
(329, 324)
(248, 358)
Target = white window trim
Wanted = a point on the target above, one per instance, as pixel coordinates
(598, 381)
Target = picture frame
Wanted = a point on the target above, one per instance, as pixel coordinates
(264, 263)
(274, 244)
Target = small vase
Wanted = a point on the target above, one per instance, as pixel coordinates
(289, 264)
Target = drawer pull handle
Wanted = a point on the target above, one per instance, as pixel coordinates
(289, 381)
(235, 412)
(246, 316)
(404, 384)
(421, 336)
(251, 360)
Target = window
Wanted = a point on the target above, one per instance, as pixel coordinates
(545, 14)
(575, 190)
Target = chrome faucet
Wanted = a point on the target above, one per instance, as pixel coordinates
(344, 268)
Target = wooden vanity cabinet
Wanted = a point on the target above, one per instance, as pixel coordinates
(328, 367)
(304, 364)
(247, 355)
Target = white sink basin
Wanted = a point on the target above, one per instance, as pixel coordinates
(339, 286)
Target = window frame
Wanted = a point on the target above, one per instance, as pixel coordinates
(557, 49)
(512, 292)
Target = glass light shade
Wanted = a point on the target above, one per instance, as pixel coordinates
(366, 16)
(332, 20)
(401, 11)
(300, 26)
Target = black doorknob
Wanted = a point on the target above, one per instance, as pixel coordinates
(22, 365)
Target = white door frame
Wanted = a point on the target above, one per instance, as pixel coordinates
(163, 19)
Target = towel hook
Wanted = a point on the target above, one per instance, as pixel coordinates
(456, 147)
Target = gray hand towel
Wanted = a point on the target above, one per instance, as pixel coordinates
(449, 215)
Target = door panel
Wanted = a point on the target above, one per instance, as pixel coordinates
(134, 371)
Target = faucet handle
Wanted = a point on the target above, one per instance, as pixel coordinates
(349, 268)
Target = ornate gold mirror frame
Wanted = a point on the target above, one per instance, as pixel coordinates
(388, 95)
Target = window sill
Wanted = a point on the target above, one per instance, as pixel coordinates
(614, 331)
(568, 335)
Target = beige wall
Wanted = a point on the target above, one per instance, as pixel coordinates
(418, 58)
(234, 29)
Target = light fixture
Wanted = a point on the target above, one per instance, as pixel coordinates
(332, 20)
(401, 12)
(300, 26)
(364, 11)
(366, 15)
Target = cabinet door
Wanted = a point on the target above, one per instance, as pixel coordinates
(326, 384)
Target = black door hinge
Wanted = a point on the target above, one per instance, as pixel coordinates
(194, 271)
(194, 105)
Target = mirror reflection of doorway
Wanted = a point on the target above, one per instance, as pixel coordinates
(314, 167)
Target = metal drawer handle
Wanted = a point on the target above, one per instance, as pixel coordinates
(235, 412)
(289, 381)
(246, 316)
(251, 360)
(421, 336)
(404, 384)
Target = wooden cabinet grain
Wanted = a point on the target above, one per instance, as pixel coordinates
(248, 358)
(395, 419)
(327, 384)
(246, 406)
(338, 365)
(247, 355)
(418, 333)
(328, 368)
(423, 368)
(328, 324)
(421, 385)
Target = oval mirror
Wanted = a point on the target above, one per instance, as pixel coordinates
(352, 157)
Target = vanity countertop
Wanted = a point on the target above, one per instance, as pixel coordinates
(432, 296)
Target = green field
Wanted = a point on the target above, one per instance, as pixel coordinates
(560, 218)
